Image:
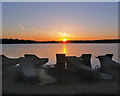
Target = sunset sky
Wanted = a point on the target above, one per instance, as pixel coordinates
(61, 20)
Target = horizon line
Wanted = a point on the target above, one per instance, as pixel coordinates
(61, 40)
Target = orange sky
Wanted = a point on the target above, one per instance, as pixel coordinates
(57, 21)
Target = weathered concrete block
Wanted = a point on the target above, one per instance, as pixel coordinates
(108, 65)
(60, 61)
(74, 64)
(109, 55)
(86, 59)
(28, 71)
(9, 61)
(39, 62)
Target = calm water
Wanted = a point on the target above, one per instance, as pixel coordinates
(50, 50)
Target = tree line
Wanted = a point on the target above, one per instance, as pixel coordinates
(21, 41)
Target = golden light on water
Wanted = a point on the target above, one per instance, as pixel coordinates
(64, 49)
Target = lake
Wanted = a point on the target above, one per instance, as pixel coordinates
(70, 49)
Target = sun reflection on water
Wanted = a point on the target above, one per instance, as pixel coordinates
(64, 49)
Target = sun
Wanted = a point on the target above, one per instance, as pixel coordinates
(64, 40)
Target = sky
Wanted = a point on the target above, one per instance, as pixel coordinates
(47, 21)
(60, 0)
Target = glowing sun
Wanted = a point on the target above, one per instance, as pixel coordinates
(64, 40)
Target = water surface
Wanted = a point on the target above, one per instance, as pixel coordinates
(70, 49)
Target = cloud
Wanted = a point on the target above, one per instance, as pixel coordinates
(64, 34)
(21, 26)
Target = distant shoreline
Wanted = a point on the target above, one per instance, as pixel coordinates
(17, 41)
(59, 43)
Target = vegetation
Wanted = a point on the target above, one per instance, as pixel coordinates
(18, 41)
